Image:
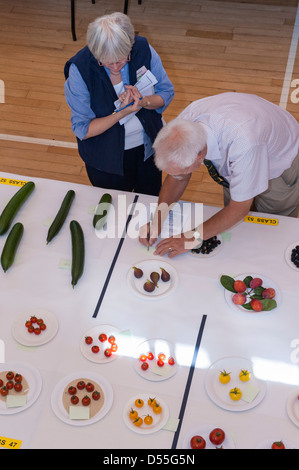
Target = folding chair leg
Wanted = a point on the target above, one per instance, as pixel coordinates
(73, 20)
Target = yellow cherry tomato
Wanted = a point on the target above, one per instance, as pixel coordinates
(139, 403)
(224, 377)
(157, 408)
(133, 414)
(138, 421)
(148, 420)
(244, 375)
(151, 401)
(235, 394)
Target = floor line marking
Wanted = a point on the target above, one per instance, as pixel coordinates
(35, 140)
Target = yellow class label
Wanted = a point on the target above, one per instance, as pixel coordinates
(260, 220)
(12, 182)
(7, 443)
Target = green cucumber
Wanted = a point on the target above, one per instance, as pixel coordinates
(11, 245)
(61, 215)
(101, 211)
(14, 204)
(78, 251)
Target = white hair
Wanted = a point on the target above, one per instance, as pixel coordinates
(110, 38)
(179, 142)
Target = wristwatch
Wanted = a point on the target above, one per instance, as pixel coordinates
(197, 237)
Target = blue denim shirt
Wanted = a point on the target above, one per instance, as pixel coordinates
(78, 98)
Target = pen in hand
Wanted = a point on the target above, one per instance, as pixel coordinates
(149, 231)
(124, 107)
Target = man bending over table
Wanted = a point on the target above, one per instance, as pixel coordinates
(249, 144)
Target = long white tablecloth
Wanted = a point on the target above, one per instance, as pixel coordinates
(195, 317)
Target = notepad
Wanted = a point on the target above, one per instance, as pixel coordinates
(79, 412)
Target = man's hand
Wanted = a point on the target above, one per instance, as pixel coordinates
(176, 245)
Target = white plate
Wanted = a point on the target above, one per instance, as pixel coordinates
(204, 431)
(267, 444)
(293, 408)
(215, 251)
(20, 333)
(148, 266)
(57, 395)
(34, 380)
(266, 283)
(219, 393)
(159, 420)
(154, 372)
(94, 332)
(288, 254)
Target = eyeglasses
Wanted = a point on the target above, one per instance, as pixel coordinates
(119, 62)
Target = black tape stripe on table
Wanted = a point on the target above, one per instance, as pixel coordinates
(98, 306)
(189, 381)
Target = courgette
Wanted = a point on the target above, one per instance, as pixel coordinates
(101, 211)
(61, 215)
(11, 245)
(14, 204)
(78, 251)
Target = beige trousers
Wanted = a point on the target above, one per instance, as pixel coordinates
(282, 195)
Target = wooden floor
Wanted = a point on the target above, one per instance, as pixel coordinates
(207, 47)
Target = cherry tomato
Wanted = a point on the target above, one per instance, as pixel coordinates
(86, 400)
(96, 395)
(142, 357)
(111, 339)
(30, 329)
(171, 361)
(235, 394)
(88, 339)
(151, 401)
(150, 356)
(160, 363)
(37, 331)
(1, 383)
(148, 420)
(18, 378)
(139, 403)
(9, 385)
(10, 375)
(161, 356)
(43, 326)
(138, 421)
(89, 387)
(4, 391)
(102, 337)
(278, 445)
(108, 352)
(81, 385)
(114, 347)
(157, 408)
(72, 390)
(74, 399)
(95, 349)
(28, 323)
(133, 414)
(33, 319)
(217, 436)
(197, 442)
(144, 366)
(224, 377)
(39, 321)
(18, 387)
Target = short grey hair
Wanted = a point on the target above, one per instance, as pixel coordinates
(179, 142)
(110, 38)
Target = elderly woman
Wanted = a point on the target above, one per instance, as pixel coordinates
(117, 147)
